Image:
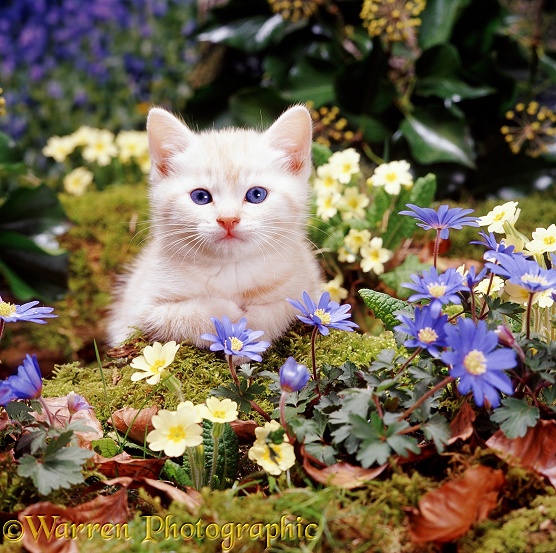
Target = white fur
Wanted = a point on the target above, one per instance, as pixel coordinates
(189, 272)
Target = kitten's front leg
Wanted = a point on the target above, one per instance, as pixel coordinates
(186, 320)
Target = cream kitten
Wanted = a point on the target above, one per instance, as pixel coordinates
(229, 211)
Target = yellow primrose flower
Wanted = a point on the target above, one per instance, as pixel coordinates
(325, 181)
(174, 431)
(100, 147)
(82, 135)
(132, 144)
(353, 204)
(373, 256)
(153, 361)
(496, 218)
(357, 238)
(517, 294)
(273, 458)
(77, 181)
(344, 164)
(482, 287)
(345, 256)
(544, 240)
(327, 205)
(220, 410)
(392, 176)
(199, 410)
(334, 288)
(59, 147)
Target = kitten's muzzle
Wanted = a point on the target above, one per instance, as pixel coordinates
(228, 223)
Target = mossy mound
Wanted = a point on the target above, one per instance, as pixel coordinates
(200, 371)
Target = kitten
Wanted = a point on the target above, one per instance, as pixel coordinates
(229, 211)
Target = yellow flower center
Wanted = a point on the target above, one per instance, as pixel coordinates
(549, 240)
(157, 366)
(475, 362)
(7, 309)
(436, 290)
(235, 344)
(499, 216)
(534, 278)
(176, 433)
(323, 316)
(427, 335)
(219, 414)
(391, 177)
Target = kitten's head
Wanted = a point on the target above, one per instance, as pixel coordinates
(234, 193)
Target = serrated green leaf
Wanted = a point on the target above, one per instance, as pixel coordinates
(515, 417)
(437, 430)
(384, 306)
(61, 469)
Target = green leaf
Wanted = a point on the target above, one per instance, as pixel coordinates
(248, 106)
(438, 20)
(452, 89)
(373, 448)
(436, 137)
(106, 447)
(176, 473)
(251, 34)
(384, 306)
(515, 417)
(306, 82)
(61, 469)
(321, 154)
(8, 151)
(437, 430)
(394, 279)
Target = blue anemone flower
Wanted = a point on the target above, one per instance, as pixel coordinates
(327, 314)
(441, 288)
(524, 272)
(477, 362)
(427, 330)
(293, 376)
(235, 339)
(11, 313)
(443, 220)
(25, 384)
(492, 246)
(472, 278)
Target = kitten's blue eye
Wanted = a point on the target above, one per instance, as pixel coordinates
(256, 195)
(201, 196)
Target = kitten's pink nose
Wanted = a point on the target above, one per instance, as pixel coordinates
(228, 223)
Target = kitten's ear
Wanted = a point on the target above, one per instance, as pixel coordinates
(167, 136)
(292, 133)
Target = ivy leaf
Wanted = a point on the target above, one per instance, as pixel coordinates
(59, 469)
(515, 417)
(384, 306)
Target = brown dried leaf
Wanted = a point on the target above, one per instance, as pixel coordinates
(448, 512)
(536, 450)
(191, 498)
(124, 464)
(342, 475)
(57, 522)
(462, 425)
(58, 407)
(137, 421)
(245, 430)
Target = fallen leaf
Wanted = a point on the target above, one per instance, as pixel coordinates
(244, 430)
(536, 450)
(136, 422)
(50, 528)
(462, 425)
(124, 464)
(343, 475)
(58, 407)
(448, 512)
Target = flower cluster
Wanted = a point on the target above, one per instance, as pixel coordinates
(393, 20)
(272, 449)
(347, 210)
(98, 148)
(295, 10)
(329, 126)
(532, 127)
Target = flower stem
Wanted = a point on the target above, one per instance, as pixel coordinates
(408, 360)
(214, 460)
(528, 316)
(46, 410)
(436, 247)
(260, 410)
(314, 358)
(196, 457)
(425, 396)
(283, 421)
(233, 372)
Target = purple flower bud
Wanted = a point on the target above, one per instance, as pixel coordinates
(293, 376)
(505, 337)
(76, 403)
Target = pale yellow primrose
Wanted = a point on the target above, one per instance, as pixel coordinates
(153, 361)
